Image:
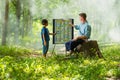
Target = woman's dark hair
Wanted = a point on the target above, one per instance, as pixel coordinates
(83, 15)
(44, 21)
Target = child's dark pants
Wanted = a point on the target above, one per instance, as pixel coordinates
(45, 48)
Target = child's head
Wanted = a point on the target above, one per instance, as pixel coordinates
(45, 22)
(83, 17)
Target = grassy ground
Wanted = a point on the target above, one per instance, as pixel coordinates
(22, 64)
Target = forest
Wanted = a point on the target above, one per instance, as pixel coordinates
(21, 44)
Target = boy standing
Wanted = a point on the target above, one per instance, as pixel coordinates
(45, 36)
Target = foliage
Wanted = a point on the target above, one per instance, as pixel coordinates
(17, 63)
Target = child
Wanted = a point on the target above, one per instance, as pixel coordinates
(45, 36)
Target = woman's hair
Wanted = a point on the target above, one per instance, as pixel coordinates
(44, 21)
(83, 15)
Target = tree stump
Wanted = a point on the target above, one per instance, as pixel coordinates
(89, 48)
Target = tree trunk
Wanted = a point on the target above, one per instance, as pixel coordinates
(4, 34)
(27, 22)
(18, 15)
(24, 22)
(90, 48)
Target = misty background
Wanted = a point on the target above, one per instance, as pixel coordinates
(24, 20)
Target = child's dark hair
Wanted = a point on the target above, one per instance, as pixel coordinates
(83, 15)
(44, 21)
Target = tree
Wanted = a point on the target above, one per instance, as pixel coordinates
(26, 19)
(4, 32)
(18, 15)
(17, 9)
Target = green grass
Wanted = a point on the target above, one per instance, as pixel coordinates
(18, 64)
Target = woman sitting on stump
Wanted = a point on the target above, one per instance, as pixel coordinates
(84, 33)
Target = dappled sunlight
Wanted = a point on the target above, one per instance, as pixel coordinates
(25, 26)
(12, 67)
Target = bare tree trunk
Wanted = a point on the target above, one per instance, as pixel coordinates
(18, 10)
(27, 22)
(90, 48)
(4, 34)
(24, 23)
(29, 26)
(18, 15)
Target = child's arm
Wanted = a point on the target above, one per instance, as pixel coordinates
(52, 33)
(44, 39)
